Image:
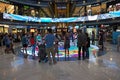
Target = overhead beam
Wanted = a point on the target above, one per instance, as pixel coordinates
(90, 3)
(34, 5)
(44, 12)
(51, 10)
(30, 4)
(80, 10)
(73, 9)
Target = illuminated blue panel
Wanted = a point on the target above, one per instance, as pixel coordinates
(115, 13)
(46, 19)
(71, 19)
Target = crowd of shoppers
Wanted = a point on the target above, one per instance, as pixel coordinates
(48, 44)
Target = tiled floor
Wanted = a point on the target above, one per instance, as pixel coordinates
(105, 67)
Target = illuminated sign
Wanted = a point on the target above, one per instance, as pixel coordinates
(70, 19)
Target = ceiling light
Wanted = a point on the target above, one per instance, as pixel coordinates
(83, 1)
(50, 2)
(39, 2)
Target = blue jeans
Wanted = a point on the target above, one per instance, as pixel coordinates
(33, 49)
(87, 52)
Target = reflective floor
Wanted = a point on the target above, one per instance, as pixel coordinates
(104, 67)
(73, 52)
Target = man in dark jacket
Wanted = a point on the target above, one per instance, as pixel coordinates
(81, 42)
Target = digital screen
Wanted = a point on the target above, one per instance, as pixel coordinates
(92, 18)
(70, 19)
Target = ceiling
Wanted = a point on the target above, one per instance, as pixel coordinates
(52, 7)
(56, 8)
(6, 7)
(59, 8)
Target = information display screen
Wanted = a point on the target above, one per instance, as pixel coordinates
(70, 19)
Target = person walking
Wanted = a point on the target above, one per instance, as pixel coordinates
(6, 40)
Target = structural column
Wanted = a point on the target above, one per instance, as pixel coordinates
(56, 15)
(68, 5)
(68, 10)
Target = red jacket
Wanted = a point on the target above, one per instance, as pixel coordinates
(32, 41)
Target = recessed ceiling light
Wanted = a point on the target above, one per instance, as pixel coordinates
(39, 2)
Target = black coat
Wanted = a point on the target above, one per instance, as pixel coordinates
(88, 42)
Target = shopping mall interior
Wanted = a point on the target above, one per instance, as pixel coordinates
(37, 16)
